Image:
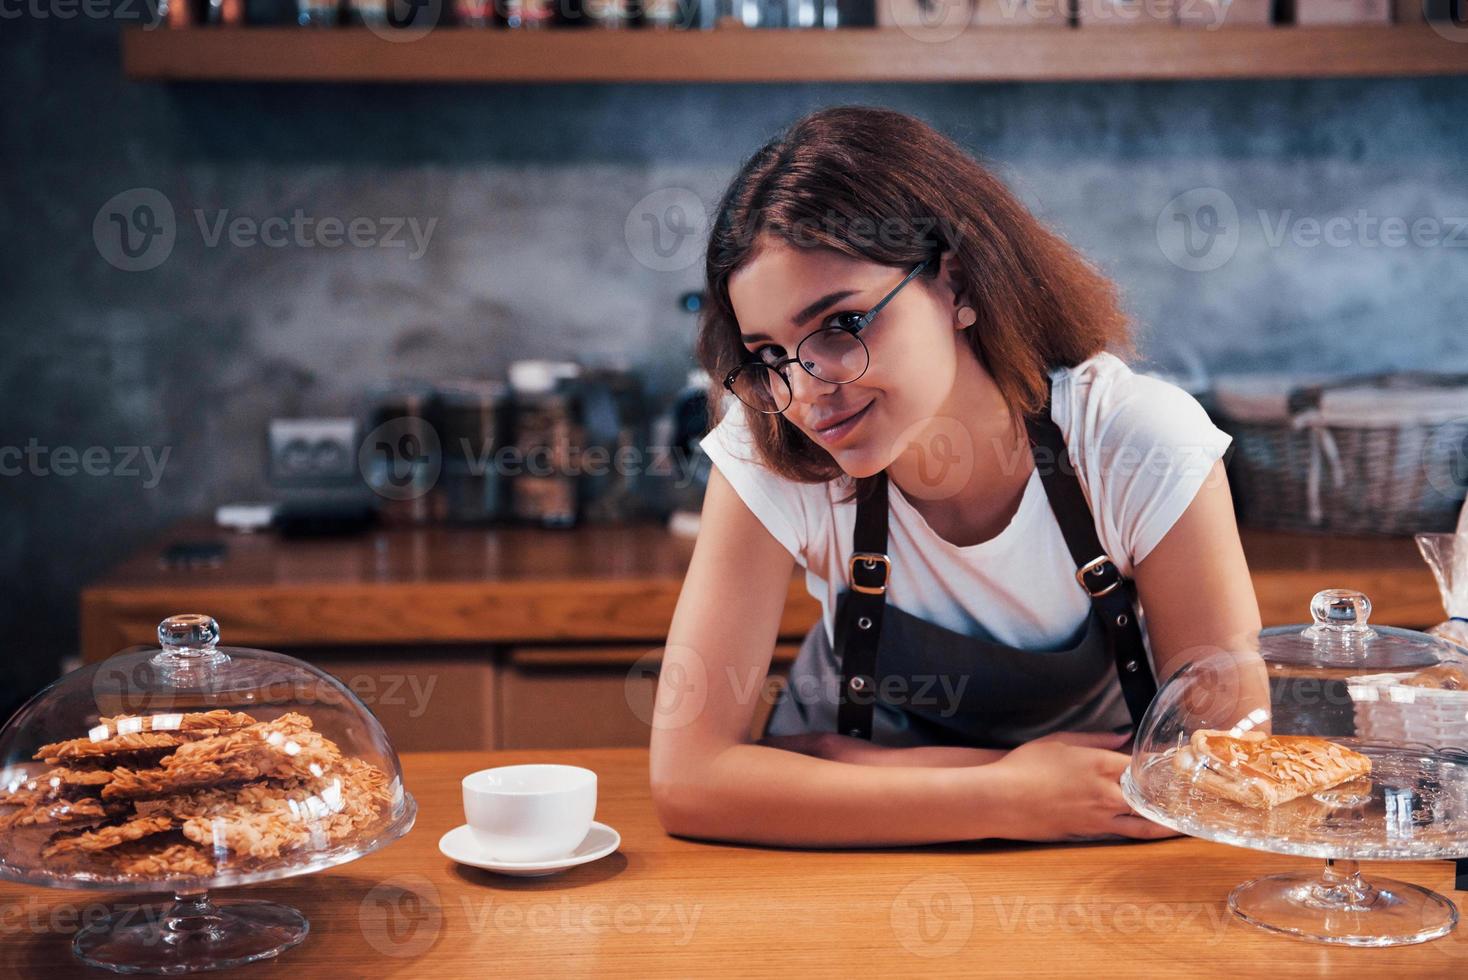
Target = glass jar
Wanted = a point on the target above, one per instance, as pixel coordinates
(608, 14)
(786, 13)
(544, 487)
(528, 14)
(401, 457)
(475, 428)
(474, 13)
(365, 12)
(315, 13)
(669, 14)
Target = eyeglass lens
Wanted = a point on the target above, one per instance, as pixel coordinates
(833, 354)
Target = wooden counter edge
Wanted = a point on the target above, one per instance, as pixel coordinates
(407, 614)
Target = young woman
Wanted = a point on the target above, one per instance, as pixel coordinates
(922, 404)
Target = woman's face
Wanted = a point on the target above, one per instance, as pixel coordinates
(916, 352)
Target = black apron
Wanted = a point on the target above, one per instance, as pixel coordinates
(902, 681)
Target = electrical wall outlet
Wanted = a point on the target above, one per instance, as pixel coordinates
(314, 453)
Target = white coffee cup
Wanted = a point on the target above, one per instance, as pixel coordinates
(534, 812)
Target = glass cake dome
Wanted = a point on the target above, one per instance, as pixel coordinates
(188, 767)
(1338, 740)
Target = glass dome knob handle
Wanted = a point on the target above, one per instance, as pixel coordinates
(188, 631)
(1341, 609)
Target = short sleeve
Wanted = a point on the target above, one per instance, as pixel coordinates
(778, 502)
(1143, 447)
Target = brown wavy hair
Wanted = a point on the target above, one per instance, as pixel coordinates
(879, 185)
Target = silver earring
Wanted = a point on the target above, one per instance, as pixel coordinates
(967, 317)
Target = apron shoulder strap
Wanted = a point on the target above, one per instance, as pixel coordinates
(1112, 596)
(859, 619)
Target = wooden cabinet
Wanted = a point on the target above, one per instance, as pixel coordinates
(581, 697)
(425, 700)
(526, 697)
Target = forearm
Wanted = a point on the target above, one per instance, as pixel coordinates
(762, 795)
(843, 748)
(933, 755)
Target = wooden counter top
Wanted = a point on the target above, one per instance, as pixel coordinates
(429, 555)
(667, 907)
(428, 586)
(606, 584)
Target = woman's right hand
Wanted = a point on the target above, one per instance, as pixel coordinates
(1066, 787)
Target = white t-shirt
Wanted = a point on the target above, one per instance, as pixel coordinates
(1142, 448)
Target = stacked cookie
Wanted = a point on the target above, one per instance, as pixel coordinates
(194, 795)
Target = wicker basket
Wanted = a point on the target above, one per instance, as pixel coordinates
(1381, 454)
(1393, 713)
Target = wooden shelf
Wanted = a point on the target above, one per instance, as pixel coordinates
(285, 54)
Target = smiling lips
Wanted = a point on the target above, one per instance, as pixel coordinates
(843, 423)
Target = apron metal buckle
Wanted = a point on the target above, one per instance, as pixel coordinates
(869, 561)
(1096, 568)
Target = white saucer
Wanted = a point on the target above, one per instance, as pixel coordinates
(460, 845)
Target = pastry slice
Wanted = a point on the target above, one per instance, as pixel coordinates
(121, 736)
(285, 748)
(109, 750)
(191, 721)
(1443, 677)
(1263, 771)
(263, 819)
(55, 784)
(102, 838)
(58, 812)
(165, 855)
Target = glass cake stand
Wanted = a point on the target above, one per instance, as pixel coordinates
(188, 768)
(1364, 688)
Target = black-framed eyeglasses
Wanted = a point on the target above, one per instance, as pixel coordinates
(834, 353)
